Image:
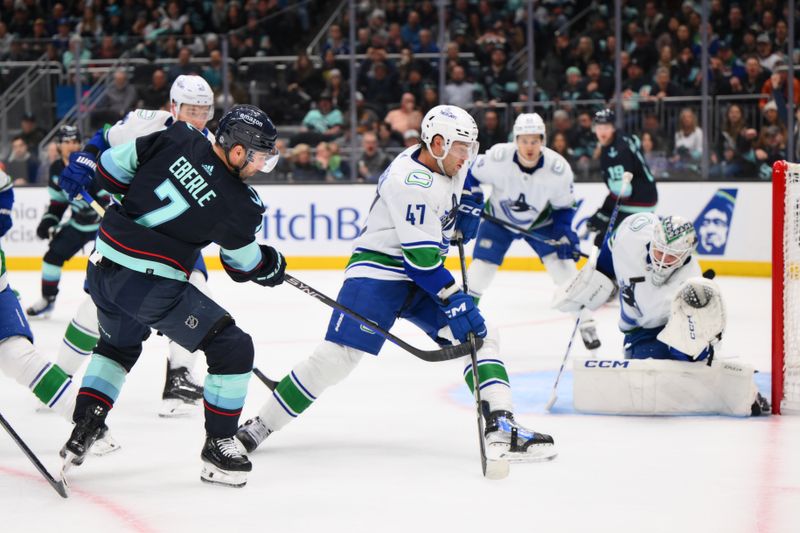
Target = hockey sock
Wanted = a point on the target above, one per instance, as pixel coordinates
(51, 276)
(48, 382)
(223, 401)
(80, 338)
(102, 383)
(492, 375)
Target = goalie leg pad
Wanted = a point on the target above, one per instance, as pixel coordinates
(662, 387)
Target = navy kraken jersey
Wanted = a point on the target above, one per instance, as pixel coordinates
(624, 154)
(178, 198)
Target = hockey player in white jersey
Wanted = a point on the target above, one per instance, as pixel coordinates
(397, 270)
(19, 358)
(192, 101)
(668, 312)
(532, 188)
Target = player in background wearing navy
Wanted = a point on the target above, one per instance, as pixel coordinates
(69, 238)
(397, 271)
(620, 153)
(192, 101)
(180, 194)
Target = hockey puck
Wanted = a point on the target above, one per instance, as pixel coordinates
(709, 274)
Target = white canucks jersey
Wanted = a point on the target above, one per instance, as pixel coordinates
(642, 303)
(410, 223)
(141, 122)
(6, 183)
(524, 198)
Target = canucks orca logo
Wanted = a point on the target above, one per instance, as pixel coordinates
(512, 209)
(714, 222)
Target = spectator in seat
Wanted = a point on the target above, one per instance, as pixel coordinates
(777, 87)
(559, 144)
(324, 123)
(771, 116)
(21, 165)
(336, 41)
(406, 117)
(156, 94)
(766, 56)
(499, 81)
(184, 65)
(426, 44)
(410, 30)
(212, 72)
(596, 85)
(755, 76)
(381, 88)
(573, 89)
(770, 147)
(458, 91)
(663, 86)
(373, 160)
(734, 155)
(327, 158)
(31, 133)
(688, 141)
(654, 156)
(411, 138)
(120, 97)
(584, 139)
(388, 138)
(491, 131)
(303, 168)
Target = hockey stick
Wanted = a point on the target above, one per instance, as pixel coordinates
(627, 177)
(271, 385)
(445, 353)
(492, 468)
(527, 233)
(58, 486)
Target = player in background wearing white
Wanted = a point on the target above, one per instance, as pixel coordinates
(192, 101)
(671, 317)
(19, 358)
(397, 270)
(532, 188)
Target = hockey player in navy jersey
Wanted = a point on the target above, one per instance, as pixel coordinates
(397, 271)
(180, 194)
(192, 101)
(78, 231)
(620, 153)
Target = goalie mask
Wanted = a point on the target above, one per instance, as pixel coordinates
(528, 150)
(674, 240)
(249, 127)
(453, 124)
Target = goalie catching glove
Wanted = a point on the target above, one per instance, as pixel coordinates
(697, 318)
(588, 288)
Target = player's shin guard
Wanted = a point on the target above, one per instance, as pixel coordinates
(223, 397)
(492, 375)
(80, 338)
(480, 274)
(51, 277)
(329, 364)
(101, 385)
(48, 382)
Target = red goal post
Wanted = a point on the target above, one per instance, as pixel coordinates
(786, 288)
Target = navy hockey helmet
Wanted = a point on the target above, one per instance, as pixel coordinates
(249, 127)
(67, 133)
(605, 116)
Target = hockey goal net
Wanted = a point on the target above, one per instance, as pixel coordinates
(786, 288)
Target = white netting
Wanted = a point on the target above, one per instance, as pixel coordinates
(791, 291)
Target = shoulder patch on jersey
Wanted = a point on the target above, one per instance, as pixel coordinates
(498, 152)
(558, 165)
(639, 222)
(420, 179)
(256, 199)
(145, 114)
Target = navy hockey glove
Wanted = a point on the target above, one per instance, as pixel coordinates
(6, 202)
(79, 173)
(463, 317)
(273, 269)
(468, 217)
(569, 244)
(49, 221)
(598, 222)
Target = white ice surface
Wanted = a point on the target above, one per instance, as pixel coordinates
(393, 448)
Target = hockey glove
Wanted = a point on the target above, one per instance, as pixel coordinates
(273, 269)
(46, 226)
(463, 317)
(79, 173)
(6, 202)
(469, 217)
(569, 243)
(598, 222)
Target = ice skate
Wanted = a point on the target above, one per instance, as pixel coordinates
(181, 394)
(505, 439)
(224, 463)
(42, 307)
(252, 433)
(86, 431)
(589, 335)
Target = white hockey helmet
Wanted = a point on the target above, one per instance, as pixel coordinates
(529, 124)
(193, 90)
(453, 124)
(674, 240)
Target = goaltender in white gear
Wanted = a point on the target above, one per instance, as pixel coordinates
(192, 101)
(672, 319)
(531, 188)
(397, 271)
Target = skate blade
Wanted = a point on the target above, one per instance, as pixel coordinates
(69, 459)
(216, 476)
(534, 454)
(177, 409)
(104, 446)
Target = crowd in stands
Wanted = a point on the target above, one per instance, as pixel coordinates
(485, 72)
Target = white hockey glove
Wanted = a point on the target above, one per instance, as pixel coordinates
(588, 288)
(697, 317)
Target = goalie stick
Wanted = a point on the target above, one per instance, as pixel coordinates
(492, 468)
(59, 486)
(445, 353)
(527, 233)
(627, 177)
